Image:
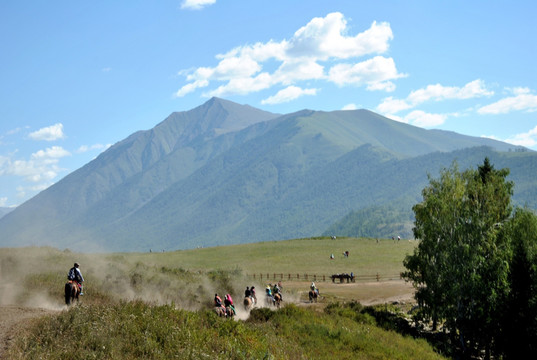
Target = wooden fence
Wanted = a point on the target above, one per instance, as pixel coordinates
(317, 278)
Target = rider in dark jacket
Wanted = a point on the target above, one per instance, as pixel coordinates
(76, 275)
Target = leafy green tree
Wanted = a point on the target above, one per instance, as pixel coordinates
(460, 267)
(518, 331)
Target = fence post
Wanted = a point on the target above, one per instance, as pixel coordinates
(323, 278)
(274, 277)
(281, 276)
(298, 276)
(306, 276)
(314, 277)
(378, 278)
(254, 276)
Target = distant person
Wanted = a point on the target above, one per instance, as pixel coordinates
(252, 294)
(247, 292)
(228, 302)
(398, 238)
(76, 275)
(217, 300)
(331, 256)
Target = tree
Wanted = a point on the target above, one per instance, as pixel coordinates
(460, 267)
(518, 330)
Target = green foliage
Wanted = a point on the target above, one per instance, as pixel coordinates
(463, 266)
(518, 324)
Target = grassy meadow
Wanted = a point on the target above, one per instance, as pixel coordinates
(158, 305)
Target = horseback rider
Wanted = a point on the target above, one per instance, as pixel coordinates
(314, 288)
(247, 292)
(228, 302)
(217, 300)
(277, 290)
(252, 294)
(75, 275)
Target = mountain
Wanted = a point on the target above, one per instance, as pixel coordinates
(5, 210)
(226, 173)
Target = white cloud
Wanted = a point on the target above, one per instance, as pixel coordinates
(196, 4)
(527, 139)
(49, 133)
(439, 92)
(86, 148)
(391, 106)
(302, 58)
(3, 201)
(54, 152)
(324, 38)
(522, 101)
(372, 72)
(349, 107)
(423, 119)
(435, 92)
(288, 94)
(42, 166)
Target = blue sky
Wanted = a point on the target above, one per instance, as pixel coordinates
(79, 76)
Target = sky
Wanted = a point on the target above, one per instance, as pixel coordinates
(78, 76)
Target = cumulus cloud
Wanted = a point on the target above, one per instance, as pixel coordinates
(42, 165)
(522, 100)
(323, 43)
(390, 106)
(439, 92)
(50, 133)
(527, 139)
(423, 119)
(196, 4)
(288, 94)
(86, 148)
(349, 107)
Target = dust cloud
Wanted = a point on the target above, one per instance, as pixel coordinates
(35, 277)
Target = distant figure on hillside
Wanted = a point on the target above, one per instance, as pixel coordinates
(398, 238)
(247, 292)
(331, 256)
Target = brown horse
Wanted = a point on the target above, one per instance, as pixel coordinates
(220, 311)
(248, 303)
(277, 300)
(71, 292)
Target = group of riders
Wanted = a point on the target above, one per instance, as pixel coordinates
(273, 292)
(227, 308)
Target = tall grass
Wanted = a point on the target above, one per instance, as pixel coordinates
(137, 330)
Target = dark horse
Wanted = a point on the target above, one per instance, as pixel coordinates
(313, 295)
(71, 292)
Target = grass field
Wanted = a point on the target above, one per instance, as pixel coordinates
(158, 305)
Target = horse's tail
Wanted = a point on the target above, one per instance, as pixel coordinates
(68, 292)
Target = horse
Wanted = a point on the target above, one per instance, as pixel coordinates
(313, 294)
(248, 303)
(277, 300)
(220, 311)
(71, 292)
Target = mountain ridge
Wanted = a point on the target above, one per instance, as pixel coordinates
(225, 173)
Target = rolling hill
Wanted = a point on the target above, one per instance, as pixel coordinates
(225, 173)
